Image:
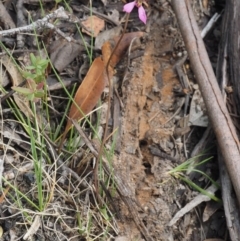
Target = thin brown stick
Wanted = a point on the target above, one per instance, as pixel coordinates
(11, 92)
(217, 111)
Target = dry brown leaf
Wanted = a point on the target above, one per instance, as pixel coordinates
(210, 209)
(88, 93)
(94, 24)
(63, 53)
(108, 47)
(123, 46)
(12, 70)
(16, 79)
(33, 229)
(114, 16)
(4, 78)
(93, 84)
(106, 35)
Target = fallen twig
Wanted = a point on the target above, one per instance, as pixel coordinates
(60, 13)
(156, 152)
(217, 111)
(210, 24)
(194, 203)
(229, 200)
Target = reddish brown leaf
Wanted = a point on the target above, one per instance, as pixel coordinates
(88, 94)
(122, 47)
(106, 52)
(93, 84)
(108, 47)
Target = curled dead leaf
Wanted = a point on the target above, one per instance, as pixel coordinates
(63, 53)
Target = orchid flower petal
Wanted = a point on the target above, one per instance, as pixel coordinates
(142, 14)
(129, 7)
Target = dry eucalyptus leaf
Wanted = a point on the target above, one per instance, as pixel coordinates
(119, 52)
(107, 35)
(10, 134)
(16, 79)
(9, 71)
(34, 228)
(198, 113)
(62, 53)
(114, 15)
(210, 209)
(87, 95)
(94, 24)
(12, 70)
(4, 78)
(200, 198)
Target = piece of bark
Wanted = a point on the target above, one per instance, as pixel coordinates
(217, 111)
(229, 198)
(229, 202)
(232, 32)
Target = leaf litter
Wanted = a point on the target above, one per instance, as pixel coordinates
(148, 112)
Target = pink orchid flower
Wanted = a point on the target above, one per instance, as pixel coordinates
(141, 11)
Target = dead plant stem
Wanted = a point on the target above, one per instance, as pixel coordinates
(218, 114)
